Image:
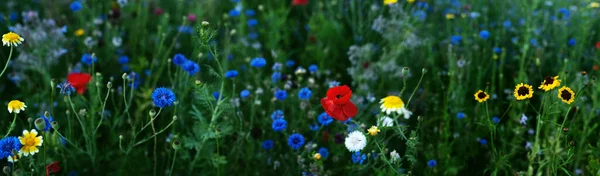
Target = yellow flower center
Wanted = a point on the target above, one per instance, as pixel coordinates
(392, 102)
(11, 37)
(30, 142)
(16, 104)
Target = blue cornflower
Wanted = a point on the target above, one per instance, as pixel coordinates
(230, 57)
(217, 95)
(179, 59)
(88, 59)
(455, 39)
(497, 50)
(280, 94)
(484, 34)
(65, 88)
(268, 144)
(76, 6)
(258, 62)
(460, 115)
(333, 84)
(231, 74)
(163, 97)
(279, 125)
(191, 67)
(324, 119)
(304, 93)
(314, 127)
(277, 114)
(420, 14)
(296, 141)
(357, 158)
(7, 145)
(483, 141)
(431, 163)
(571, 42)
(507, 24)
(123, 60)
(496, 120)
(13, 16)
(234, 13)
(277, 66)
(245, 93)
(186, 29)
(350, 127)
(533, 42)
(324, 152)
(290, 63)
(565, 12)
(252, 22)
(523, 119)
(276, 76)
(250, 12)
(125, 68)
(253, 35)
(48, 121)
(313, 68)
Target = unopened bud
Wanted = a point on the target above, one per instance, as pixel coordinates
(29, 120)
(176, 144)
(572, 143)
(538, 62)
(98, 74)
(40, 124)
(405, 71)
(205, 23)
(261, 7)
(6, 170)
(53, 82)
(152, 113)
(121, 137)
(109, 85)
(47, 114)
(174, 118)
(124, 76)
(424, 70)
(55, 125)
(232, 32)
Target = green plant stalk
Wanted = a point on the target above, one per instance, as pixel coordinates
(173, 163)
(7, 61)
(155, 141)
(102, 112)
(415, 90)
(12, 125)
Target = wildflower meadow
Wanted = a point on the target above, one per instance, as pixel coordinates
(300, 87)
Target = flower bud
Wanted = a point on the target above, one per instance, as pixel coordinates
(40, 124)
(176, 144)
(109, 85)
(152, 113)
(47, 114)
(53, 83)
(174, 118)
(232, 32)
(424, 70)
(205, 23)
(405, 71)
(124, 76)
(6, 170)
(29, 120)
(121, 137)
(565, 129)
(55, 125)
(261, 7)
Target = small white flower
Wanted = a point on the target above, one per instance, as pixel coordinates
(386, 121)
(394, 156)
(355, 141)
(117, 41)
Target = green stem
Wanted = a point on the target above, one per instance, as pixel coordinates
(142, 141)
(155, 141)
(415, 90)
(12, 125)
(7, 61)
(173, 163)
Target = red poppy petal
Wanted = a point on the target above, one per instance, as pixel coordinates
(350, 109)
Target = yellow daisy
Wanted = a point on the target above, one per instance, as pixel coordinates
(449, 16)
(317, 156)
(79, 32)
(388, 2)
(373, 130)
(566, 94)
(481, 96)
(30, 142)
(550, 83)
(16, 106)
(15, 158)
(523, 91)
(11, 39)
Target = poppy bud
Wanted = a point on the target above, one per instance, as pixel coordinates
(53, 82)
(152, 113)
(124, 76)
(46, 114)
(6, 170)
(424, 70)
(176, 144)
(40, 124)
(55, 125)
(205, 23)
(405, 71)
(109, 85)
(174, 118)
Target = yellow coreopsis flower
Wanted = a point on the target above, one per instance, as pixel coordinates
(449, 16)
(79, 32)
(566, 95)
(550, 83)
(523, 91)
(481, 96)
(388, 2)
(11, 39)
(16, 106)
(373, 130)
(30, 142)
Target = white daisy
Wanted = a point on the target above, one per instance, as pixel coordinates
(355, 141)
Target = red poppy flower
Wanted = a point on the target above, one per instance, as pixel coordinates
(597, 45)
(79, 81)
(299, 2)
(52, 168)
(337, 104)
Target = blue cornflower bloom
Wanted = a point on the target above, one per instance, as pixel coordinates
(277, 66)
(571, 42)
(88, 59)
(258, 62)
(268, 144)
(123, 60)
(217, 95)
(496, 120)
(350, 127)
(179, 59)
(231, 74)
(245, 93)
(461, 115)
(533, 42)
(483, 141)
(420, 14)
(252, 22)
(76, 6)
(186, 29)
(290, 63)
(304, 93)
(507, 24)
(422, 4)
(523, 119)
(296, 141)
(250, 12)
(276, 76)
(163, 97)
(324, 152)
(191, 67)
(484, 34)
(313, 68)
(253, 35)
(7, 145)
(358, 158)
(234, 13)
(280, 94)
(314, 127)
(48, 120)
(431, 163)
(125, 68)
(324, 119)
(333, 84)
(65, 88)
(565, 12)
(13, 16)
(279, 125)
(497, 50)
(455, 39)
(277, 114)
